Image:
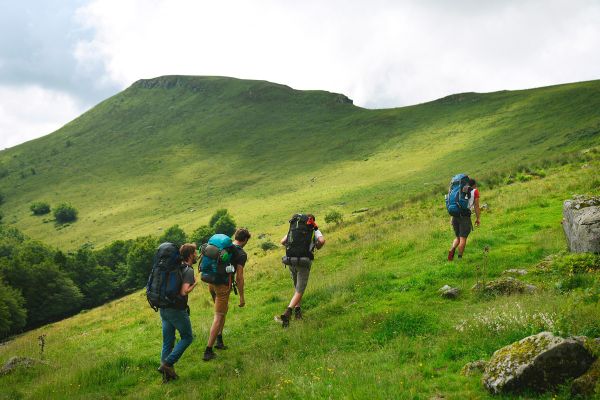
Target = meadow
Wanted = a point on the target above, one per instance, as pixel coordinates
(172, 150)
(375, 324)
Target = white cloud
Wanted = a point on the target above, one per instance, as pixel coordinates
(32, 111)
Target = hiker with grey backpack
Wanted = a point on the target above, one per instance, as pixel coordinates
(302, 239)
(461, 200)
(170, 282)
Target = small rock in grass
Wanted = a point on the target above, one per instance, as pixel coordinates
(16, 362)
(504, 286)
(473, 367)
(514, 271)
(448, 292)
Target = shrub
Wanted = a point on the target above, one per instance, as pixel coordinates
(217, 215)
(268, 245)
(225, 225)
(39, 208)
(334, 217)
(202, 234)
(578, 263)
(174, 234)
(65, 212)
(2, 198)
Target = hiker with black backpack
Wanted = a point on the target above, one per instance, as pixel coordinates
(300, 242)
(222, 267)
(463, 196)
(170, 282)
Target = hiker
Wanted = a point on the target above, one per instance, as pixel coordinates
(461, 220)
(176, 314)
(301, 240)
(220, 286)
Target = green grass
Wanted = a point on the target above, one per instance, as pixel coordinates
(375, 324)
(174, 149)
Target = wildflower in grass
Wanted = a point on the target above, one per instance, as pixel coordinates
(507, 318)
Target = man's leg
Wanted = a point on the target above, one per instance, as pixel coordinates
(300, 277)
(217, 326)
(461, 246)
(168, 332)
(221, 299)
(182, 323)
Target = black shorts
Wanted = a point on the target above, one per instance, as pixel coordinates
(462, 226)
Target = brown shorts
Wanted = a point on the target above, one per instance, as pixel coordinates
(220, 295)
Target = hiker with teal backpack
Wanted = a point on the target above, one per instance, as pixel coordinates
(170, 282)
(222, 267)
(462, 197)
(300, 242)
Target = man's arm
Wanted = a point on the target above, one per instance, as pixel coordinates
(320, 242)
(477, 211)
(239, 281)
(284, 240)
(187, 287)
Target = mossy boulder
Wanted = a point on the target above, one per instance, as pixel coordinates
(504, 286)
(539, 362)
(587, 383)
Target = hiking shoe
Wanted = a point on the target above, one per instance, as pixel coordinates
(167, 371)
(297, 313)
(285, 320)
(220, 345)
(451, 254)
(209, 354)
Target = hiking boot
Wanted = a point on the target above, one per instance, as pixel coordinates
(297, 313)
(285, 317)
(451, 254)
(219, 344)
(285, 320)
(209, 354)
(167, 371)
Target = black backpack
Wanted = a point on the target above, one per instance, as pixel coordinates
(165, 280)
(300, 237)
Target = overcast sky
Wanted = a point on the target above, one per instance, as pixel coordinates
(60, 58)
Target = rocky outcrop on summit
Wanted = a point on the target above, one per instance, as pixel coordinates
(538, 362)
(581, 224)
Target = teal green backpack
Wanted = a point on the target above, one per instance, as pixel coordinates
(215, 266)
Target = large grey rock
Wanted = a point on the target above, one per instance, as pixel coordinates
(538, 362)
(581, 224)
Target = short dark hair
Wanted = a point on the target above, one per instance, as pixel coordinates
(187, 250)
(472, 182)
(242, 234)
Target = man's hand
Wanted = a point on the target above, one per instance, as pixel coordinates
(242, 302)
(477, 222)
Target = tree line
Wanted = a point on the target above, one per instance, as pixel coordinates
(40, 284)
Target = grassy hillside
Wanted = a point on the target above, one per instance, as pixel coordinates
(172, 149)
(375, 324)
